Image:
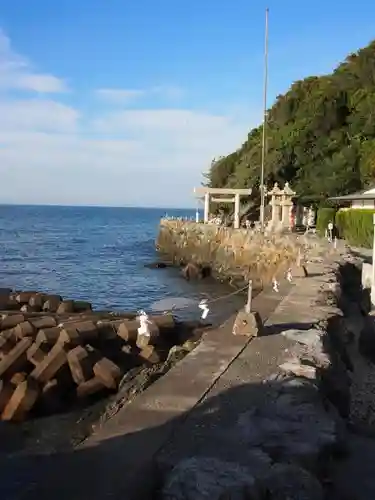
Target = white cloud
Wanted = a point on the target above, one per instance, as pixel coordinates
(37, 114)
(119, 96)
(16, 72)
(51, 152)
(125, 96)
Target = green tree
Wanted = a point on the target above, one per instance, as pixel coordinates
(320, 135)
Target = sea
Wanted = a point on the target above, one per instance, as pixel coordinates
(99, 254)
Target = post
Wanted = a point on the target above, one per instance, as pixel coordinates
(373, 266)
(236, 211)
(206, 207)
(249, 297)
(264, 138)
(197, 216)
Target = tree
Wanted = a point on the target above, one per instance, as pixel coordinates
(320, 135)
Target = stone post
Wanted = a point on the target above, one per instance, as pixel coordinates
(236, 211)
(206, 207)
(275, 204)
(373, 266)
(287, 206)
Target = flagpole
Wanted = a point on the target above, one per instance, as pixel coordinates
(264, 135)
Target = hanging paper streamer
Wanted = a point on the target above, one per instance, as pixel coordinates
(289, 275)
(275, 285)
(144, 329)
(204, 307)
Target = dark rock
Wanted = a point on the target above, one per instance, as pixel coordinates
(292, 426)
(194, 271)
(157, 265)
(210, 478)
(289, 482)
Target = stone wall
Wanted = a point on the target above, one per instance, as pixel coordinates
(235, 254)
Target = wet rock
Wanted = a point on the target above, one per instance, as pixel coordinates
(157, 265)
(289, 482)
(194, 271)
(191, 271)
(209, 478)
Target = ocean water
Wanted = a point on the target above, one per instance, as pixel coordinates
(97, 254)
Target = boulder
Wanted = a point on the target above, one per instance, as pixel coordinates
(290, 482)
(209, 478)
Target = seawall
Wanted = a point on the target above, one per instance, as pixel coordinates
(231, 254)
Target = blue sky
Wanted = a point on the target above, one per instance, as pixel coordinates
(108, 102)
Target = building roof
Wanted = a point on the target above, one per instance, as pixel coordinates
(365, 194)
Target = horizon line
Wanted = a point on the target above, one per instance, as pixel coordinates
(92, 206)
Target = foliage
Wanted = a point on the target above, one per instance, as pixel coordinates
(320, 136)
(325, 215)
(356, 226)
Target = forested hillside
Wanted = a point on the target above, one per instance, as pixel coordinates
(321, 135)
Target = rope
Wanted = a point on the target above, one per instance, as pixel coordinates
(208, 302)
(228, 295)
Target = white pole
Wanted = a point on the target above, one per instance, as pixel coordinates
(373, 265)
(206, 207)
(249, 297)
(264, 135)
(236, 211)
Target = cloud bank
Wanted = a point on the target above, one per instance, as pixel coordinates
(52, 152)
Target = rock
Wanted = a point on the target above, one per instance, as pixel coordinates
(289, 482)
(193, 271)
(309, 338)
(293, 425)
(366, 338)
(299, 369)
(209, 478)
(246, 324)
(176, 353)
(156, 265)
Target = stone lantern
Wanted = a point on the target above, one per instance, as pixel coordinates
(287, 206)
(276, 200)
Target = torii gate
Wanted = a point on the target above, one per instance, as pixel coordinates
(208, 197)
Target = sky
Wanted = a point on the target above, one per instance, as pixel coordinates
(124, 103)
